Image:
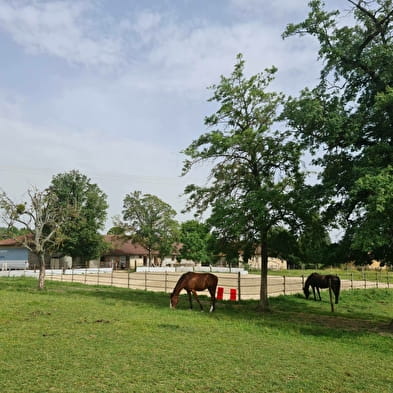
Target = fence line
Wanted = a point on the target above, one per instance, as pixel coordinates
(247, 286)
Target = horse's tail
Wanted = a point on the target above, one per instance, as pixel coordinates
(337, 286)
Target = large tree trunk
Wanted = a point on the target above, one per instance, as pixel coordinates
(41, 278)
(263, 300)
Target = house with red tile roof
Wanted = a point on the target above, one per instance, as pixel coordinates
(122, 254)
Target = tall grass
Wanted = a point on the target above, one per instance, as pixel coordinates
(75, 338)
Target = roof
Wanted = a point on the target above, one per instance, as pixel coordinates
(10, 242)
(121, 246)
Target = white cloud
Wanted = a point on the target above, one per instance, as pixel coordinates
(31, 155)
(273, 10)
(62, 29)
(146, 21)
(185, 60)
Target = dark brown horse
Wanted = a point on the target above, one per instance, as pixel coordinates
(317, 281)
(193, 282)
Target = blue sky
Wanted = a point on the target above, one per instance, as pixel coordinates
(117, 88)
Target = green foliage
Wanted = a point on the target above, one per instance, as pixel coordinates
(255, 179)
(347, 121)
(116, 230)
(284, 244)
(150, 222)
(375, 229)
(12, 232)
(86, 205)
(195, 237)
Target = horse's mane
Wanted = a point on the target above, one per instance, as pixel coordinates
(310, 277)
(179, 283)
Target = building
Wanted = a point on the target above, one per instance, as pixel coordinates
(272, 263)
(14, 256)
(124, 254)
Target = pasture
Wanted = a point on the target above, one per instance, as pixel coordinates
(83, 338)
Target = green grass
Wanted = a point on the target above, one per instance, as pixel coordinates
(75, 338)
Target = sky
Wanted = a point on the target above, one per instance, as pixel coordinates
(118, 88)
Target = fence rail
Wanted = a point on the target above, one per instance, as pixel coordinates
(247, 286)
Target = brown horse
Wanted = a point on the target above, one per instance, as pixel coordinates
(193, 282)
(317, 281)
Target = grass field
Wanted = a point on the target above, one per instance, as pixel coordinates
(76, 338)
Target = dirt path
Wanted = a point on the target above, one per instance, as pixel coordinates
(165, 282)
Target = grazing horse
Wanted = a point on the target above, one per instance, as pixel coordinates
(317, 281)
(193, 282)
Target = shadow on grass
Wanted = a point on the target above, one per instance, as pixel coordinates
(292, 312)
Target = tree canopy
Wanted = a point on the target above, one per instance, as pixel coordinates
(87, 216)
(255, 172)
(150, 222)
(346, 121)
(194, 239)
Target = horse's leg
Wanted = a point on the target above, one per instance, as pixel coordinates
(319, 294)
(197, 299)
(189, 298)
(212, 299)
(336, 294)
(313, 291)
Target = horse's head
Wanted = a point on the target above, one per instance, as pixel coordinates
(306, 292)
(174, 300)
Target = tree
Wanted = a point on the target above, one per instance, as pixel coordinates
(81, 231)
(313, 243)
(346, 121)
(255, 177)
(13, 232)
(41, 218)
(284, 244)
(150, 222)
(194, 237)
(375, 228)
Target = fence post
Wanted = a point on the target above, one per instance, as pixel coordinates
(284, 284)
(376, 279)
(85, 274)
(330, 295)
(387, 278)
(145, 280)
(72, 274)
(166, 280)
(98, 276)
(128, 279)
(351, 280)
(239, 285)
